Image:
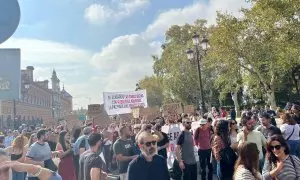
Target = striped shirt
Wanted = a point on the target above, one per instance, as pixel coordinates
(241, 173)
(288, 172)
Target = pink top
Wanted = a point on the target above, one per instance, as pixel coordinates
(202, 138)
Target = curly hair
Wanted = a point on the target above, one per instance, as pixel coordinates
(222, 130)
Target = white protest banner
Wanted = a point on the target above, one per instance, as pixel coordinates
(173, 132)
(123, 102)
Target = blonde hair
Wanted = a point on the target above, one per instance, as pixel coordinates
(18, 142)
(141, 136)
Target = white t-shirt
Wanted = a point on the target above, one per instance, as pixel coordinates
(255, 137)
(287, 130)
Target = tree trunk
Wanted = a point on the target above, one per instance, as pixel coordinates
(234, 96)
(271, 98)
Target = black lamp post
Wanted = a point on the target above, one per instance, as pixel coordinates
(137, 87)
(200, 51)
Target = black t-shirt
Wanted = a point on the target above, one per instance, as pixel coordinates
(126, 148)
(164, 141)
(52, 145)
(92, 161)
(140, 169)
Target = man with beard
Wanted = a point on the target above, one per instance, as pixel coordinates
(39, 153)
(149, 165)
(124, 151)
(248, 134)
(185, 152)
(266, 128)
(93, 162)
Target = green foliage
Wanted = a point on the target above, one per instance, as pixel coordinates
(257, 52)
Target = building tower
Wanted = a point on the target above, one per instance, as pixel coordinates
(56, 96)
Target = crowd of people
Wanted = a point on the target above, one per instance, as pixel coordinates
(255, 148)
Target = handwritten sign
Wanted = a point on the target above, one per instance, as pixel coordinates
(123, 102)
(189, 109)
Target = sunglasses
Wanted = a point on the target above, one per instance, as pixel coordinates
(148, 144)
(277, 147)
(188, 122)
(232, 123)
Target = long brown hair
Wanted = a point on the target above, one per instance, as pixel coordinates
(288, 119)
(249, 158)
(18, 143)
(270, 155)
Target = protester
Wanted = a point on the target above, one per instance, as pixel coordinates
(66, 166)
(296, 112)
(39, 172)
(279, 164)
(247, 164)
(221, 147)
(163, 144)
(124, 151)
(8, 138)
(202, 138)
(149, 165)
(83, 156)
(17, 152)
(248, 134)
(233, 131)
(93, 162)
(81, 143)
(31, 140)
(232, 114)
(185, 152)
(76, 133)
(266, 127)
(2, 138)
(39, 153)
(52, 140)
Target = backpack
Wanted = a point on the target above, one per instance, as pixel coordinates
(227, 162)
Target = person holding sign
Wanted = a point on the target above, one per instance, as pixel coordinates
(185, 152)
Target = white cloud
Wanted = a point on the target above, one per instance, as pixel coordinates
(126, 59)
(97, 13)
(100, 14)
(191, 13)
(35, 51)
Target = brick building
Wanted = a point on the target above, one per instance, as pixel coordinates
(37, 103)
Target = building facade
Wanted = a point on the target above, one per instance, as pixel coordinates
(37, 103)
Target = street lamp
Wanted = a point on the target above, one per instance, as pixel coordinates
(137, 87)
(201, 48)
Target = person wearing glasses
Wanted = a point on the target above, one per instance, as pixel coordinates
(148, 165)
(279, 164)
(185, 152)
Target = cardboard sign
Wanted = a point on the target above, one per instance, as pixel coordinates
(189, 109)
(94, 110)
(174, 108)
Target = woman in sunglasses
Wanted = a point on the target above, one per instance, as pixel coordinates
(279, 164)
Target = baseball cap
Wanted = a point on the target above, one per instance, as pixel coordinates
(87, 130)
(203, 121)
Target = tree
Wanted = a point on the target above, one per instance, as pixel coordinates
(180, 77)
(153, 85)
(258, 45)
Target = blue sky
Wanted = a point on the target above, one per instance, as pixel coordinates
(102, 45)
